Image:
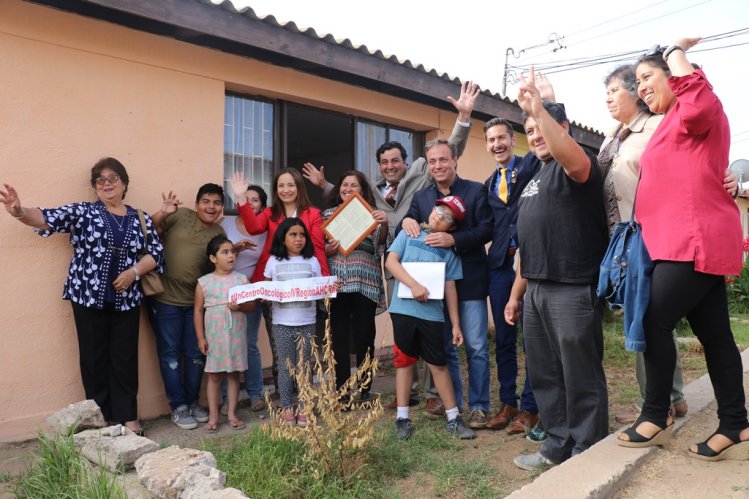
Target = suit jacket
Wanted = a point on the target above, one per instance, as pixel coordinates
(505, 215)
(416, 178)
(470, 237)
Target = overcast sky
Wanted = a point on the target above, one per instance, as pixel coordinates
(469, 39)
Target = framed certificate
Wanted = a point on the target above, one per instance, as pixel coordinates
(350, 223)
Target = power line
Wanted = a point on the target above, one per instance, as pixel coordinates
(615, 19)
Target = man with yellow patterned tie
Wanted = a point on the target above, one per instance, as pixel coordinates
(504, 186)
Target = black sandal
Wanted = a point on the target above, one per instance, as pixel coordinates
(738, 450)
(636, 440)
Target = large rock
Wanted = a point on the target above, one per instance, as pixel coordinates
(228, 493)
(113, 453)
(179, 473)
(80, 416)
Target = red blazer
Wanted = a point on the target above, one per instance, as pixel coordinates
(257, 224)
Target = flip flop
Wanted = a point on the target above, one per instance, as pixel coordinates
(210, 427)
(237, 424)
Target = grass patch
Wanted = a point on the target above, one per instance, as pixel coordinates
(61, 472)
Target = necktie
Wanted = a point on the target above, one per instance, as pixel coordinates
(502, 187)
(390, 197)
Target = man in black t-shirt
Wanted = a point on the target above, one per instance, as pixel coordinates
(562, 237)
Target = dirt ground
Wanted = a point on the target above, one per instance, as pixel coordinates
(670, 473)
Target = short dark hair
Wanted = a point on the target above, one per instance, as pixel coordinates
(210, 189)
(499, 121)
(115, 166)
(555, 109)
(626, 76)
(441, 142)
(366, 190)
(278, 248)
(215, 243)
(391, 145)
(260, 193)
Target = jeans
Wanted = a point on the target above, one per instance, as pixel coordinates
(180, 361)
(506, 341)
(473, 323)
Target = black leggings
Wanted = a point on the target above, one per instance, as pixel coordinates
(351, 318)
(677, 291)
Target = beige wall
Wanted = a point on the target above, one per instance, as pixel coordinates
(76, 89)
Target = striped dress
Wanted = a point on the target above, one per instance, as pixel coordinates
(360, 271)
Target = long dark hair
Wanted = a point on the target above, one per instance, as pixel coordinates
(334, 198)
(302, 198)
(278, 248)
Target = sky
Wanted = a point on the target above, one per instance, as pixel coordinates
(469, 39)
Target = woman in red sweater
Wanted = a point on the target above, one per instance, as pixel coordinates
(290, 199)
(692, 230)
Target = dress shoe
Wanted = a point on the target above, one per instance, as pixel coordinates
(502, 418)
(626, 417)
(522, 423)
(681, 409)
(433, 409)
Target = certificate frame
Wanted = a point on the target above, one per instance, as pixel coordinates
(339, 227)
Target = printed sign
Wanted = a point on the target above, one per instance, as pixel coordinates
(310, 289)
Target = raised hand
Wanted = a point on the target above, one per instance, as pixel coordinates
(239, 186)
(545, 88)
(469, 92)
(169, 203)
(687, 43)
(529, 97)
(9, 198)
(315, 176)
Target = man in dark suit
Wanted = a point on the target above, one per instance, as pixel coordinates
(503, 188)
(468, 241)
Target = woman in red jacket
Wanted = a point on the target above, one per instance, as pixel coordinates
(692, 230)
(290, 199)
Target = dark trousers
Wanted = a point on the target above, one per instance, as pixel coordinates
(351, 321)
(564, 344)
(108, 349)
(677, 290)
(506, 340)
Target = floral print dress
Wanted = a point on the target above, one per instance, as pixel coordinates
(225, 331)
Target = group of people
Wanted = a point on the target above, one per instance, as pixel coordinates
(548, 217)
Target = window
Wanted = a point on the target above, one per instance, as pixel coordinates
(248, 142)
(370, 136)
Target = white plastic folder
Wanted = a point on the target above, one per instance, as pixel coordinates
(431, 275)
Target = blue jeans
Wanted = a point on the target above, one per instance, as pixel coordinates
(473, 323)
(175, 342)
(506, 341)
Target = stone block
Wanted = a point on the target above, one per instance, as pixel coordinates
(113, 453)
(82, 416)
(179, 473)
(227, 493)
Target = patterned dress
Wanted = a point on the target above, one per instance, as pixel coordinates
(225, 331)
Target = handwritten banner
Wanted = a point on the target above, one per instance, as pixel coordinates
(310, 289)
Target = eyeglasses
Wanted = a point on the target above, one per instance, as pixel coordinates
(111, 179)
(443, 214)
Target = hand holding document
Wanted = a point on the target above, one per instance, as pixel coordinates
(350, 223)
(431, 275)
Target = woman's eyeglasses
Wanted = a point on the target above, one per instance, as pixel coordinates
(111, 179)
(655, 50)
(443, 215)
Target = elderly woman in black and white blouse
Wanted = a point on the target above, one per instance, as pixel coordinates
(103, 283)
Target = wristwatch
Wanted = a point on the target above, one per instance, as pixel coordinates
(670, 49)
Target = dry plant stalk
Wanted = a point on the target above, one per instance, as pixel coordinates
(333, 430)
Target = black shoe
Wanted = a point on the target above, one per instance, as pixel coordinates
(402, 428)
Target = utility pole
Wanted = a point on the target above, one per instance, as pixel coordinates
(553, 38)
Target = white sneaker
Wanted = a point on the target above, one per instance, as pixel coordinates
(197, 412)
(533, 462)
(181, 417)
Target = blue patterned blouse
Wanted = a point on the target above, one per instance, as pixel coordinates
(95, 251)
